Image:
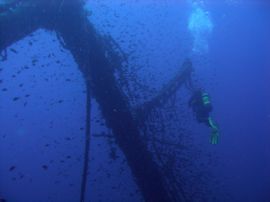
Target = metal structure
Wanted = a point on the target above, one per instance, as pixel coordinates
(20, 18)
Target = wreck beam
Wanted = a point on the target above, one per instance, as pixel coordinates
(18, 23)
(87, 48)
(69, 20)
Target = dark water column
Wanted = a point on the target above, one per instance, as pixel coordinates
(88, 50)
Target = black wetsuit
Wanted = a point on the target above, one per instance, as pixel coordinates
(200, 109)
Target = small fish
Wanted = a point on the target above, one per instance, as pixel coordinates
(12, 168)
(13, 50)
(45, 167)
(34, 61)
(15, 98)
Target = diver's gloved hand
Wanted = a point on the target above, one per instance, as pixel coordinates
(214, 137)
(214, 134)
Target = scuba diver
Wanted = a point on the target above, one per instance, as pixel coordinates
(201, 106)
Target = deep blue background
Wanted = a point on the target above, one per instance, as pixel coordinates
(235, 71)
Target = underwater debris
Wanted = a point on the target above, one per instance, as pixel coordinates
(12, 168)
(4, 89)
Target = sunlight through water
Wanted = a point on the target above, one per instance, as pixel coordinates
(200, 27)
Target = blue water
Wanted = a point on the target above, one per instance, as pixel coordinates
(42, 102)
